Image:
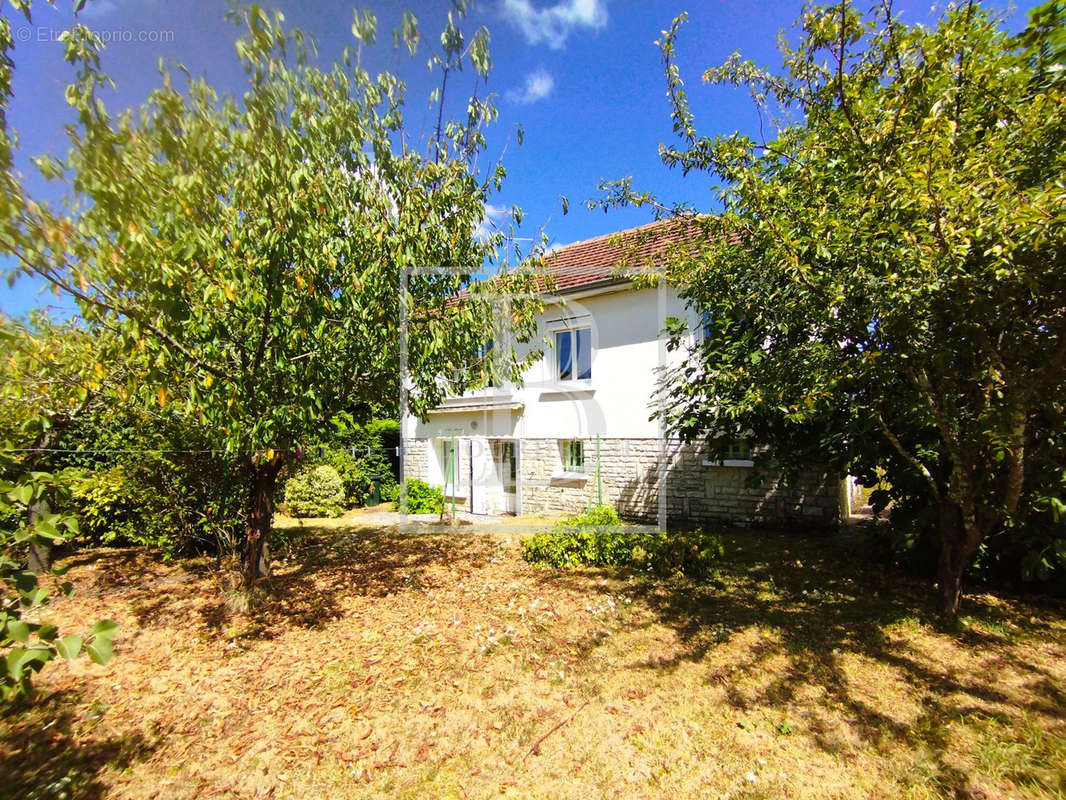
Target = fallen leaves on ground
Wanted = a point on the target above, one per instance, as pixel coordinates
(382, 664)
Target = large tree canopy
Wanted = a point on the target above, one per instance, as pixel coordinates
(887, 277)
(250, 252)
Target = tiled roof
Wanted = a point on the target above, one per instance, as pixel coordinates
(608, 258)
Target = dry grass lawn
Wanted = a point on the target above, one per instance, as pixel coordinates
(387, 665)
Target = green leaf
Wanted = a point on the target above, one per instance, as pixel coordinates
(25, 581)
(69, 647)
(18, 630)
(22, 494)
(105, 628)
(15, 660)
(100, 650)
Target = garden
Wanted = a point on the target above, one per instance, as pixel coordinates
(398, 665)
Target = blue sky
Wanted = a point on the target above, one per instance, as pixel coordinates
(583, 78)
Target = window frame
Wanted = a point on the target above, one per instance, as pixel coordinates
(573, 455)
(576, 335)
(706, 326)
(448, 450)
(486, 357)
(738, 454)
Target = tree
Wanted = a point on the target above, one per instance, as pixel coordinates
(250, 254)
(886, 277)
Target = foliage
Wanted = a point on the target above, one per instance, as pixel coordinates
(51, 373)
(110, 504)
(594, 516)
(596, 538)
(886, 279)
(360, 454)
(351, 471)
(26, 644)
(421, 498)
(315, 491)
(249, 252)
(156, 479)
(1030, 552)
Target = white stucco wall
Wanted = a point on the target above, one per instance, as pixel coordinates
(616, 402)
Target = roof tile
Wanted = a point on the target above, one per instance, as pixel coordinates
(610, 257)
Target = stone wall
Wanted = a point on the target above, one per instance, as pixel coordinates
(416, 458)
(629, 480)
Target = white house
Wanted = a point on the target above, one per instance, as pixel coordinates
(577, 430)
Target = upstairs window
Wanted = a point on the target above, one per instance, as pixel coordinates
(573, 349)
(487, 360)
(706, 325)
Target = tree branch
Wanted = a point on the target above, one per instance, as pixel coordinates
(912, 460)
(840, 75)
(117, 308)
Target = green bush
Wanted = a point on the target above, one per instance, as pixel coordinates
(370, 446)
(158, 481)
(315, 491)
(599, 516)
(122, 505)
(423, 498)
(596, 538)
(352, 473)
(108, 503)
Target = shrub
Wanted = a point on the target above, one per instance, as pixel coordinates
(423, 498)
(315, 491)
(158, 481)
(373, 445)
(122, 505)
(599, 516)
(109, 502)
(596, 538)
(352, 473)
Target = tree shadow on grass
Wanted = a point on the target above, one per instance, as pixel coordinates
(42, 753)
(320, 570)
(860, 637)
(315, 572)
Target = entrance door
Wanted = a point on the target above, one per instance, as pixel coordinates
(479, 456)
(507, 472)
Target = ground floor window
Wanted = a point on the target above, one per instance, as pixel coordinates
(573, 453)
(509, 460)
(739, 449)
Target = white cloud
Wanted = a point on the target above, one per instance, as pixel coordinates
(489, 223)
(552, 25)
(538, 85)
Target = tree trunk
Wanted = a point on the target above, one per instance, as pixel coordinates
(957, 548)
(260, 514)
(40, 555)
